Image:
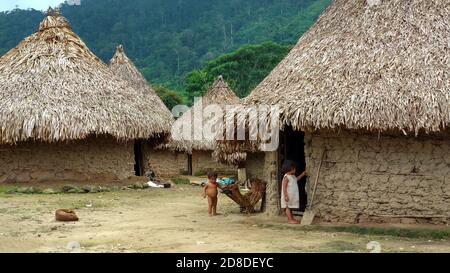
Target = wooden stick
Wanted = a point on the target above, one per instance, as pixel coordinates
(317, 178)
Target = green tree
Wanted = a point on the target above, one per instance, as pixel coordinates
(243, 69)
(197, 84)
(169, 97)
(170, 38)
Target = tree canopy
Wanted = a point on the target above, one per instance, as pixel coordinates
(167, 39)
(243, 69)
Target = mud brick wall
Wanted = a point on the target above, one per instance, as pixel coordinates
(255, 165)
(94, 159)
(367, 178)
(202, 162)
(167, 164)
(271, 177)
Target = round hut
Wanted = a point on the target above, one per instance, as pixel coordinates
(166, 163)
(65, 116)
(366, 95)
(189, 136)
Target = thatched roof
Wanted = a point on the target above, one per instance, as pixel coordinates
(124, 68)
(372, 65)
(375, 65)
(219, 94)
(53, 88)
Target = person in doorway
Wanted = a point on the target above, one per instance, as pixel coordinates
(290, 194)
(212, 192)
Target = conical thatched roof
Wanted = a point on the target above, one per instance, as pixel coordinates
(219, 94)
(124, 68)
(375, 65)
(53, 88)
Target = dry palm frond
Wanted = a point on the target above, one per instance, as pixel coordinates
(53, 88)
(124, 68)
(378, 66)
(219, 94)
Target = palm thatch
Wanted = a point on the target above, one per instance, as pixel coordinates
(372, 65)
(53, 88)
(219, 94)
(124, 68)
(378, 66)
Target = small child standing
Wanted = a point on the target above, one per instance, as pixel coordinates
(290, 194)
(212, 192)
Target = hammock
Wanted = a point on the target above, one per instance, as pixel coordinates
(248, 201)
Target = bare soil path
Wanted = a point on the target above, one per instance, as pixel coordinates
(175, 220)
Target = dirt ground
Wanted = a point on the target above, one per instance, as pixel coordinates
(173, 220)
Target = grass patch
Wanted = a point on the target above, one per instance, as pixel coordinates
(184, 172)
(414, 233)
(200, 173)
(181, 181)
(340, 246)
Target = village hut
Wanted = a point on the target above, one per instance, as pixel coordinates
(124, 68)
(365, 94)
(189, 137)
(64, 116)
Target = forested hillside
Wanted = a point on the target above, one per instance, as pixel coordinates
(168, 39)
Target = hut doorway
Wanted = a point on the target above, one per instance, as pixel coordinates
(292, 147)
(189, 167)
(138, 158)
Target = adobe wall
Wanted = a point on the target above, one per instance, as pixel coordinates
(203, 162)
(255, 165)
(167, 164)
(388, 179)
(270, 168)
(91, 160)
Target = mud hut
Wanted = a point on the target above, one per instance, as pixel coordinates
(367, 88)
(189, 137)
(64, 116)
(162, 162)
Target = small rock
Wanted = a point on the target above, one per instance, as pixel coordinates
(74, 247)
(374, 247)
(200, 243)
(75, 190)
(137, 186)
(49, 191)
(23, 190)
(54, 228)
(67, 188)
(87, 189)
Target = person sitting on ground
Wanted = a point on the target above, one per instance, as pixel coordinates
(290, 194)
(212, 192)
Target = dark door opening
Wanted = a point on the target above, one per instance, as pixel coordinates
(190, 172)
(292, 147)
(138, 158)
